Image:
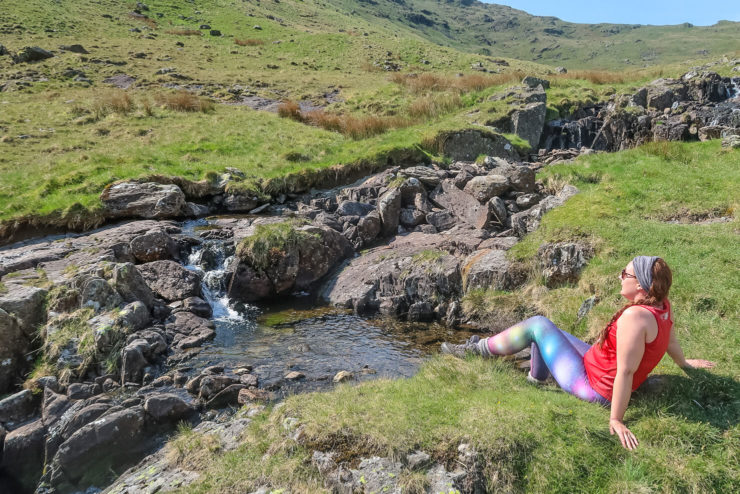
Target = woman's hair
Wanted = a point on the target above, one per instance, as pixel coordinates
(656, 295)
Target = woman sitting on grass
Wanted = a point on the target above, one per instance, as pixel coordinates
(628, 348)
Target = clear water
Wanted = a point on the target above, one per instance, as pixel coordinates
(297, 334)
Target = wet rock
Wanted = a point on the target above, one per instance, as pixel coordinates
(212, 385)
(563, 262)
(127, 281)
(168, 408)
(249, 380)
(31, 54)
(23, 454)
(146, 200)
(153, 246)
(227, 397)
(463, 205)
(170, 280)
(197, 306)
(18, 407)
(485, 187)
(240, 203)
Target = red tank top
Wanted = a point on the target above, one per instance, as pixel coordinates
(601, 362)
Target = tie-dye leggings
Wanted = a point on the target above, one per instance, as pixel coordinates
(554, 351)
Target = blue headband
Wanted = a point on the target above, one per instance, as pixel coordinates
(643, 266)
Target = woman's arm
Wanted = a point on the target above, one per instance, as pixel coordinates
(631, 330)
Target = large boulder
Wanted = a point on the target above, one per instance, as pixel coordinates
(529, 121)
(18, 407)
(296, 266)
(167, 407)
(413, 269)
(662, 93)
(145, 200)
(467, 145)
(170, 280)
(99, 295)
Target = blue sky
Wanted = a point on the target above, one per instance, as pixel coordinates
(632, 11)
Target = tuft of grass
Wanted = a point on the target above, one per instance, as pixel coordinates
(271, 242)
(290, 109)
(3, 288)
(69, 330)
(112, 101)
(521, 145)
(354, 127)
(185, 101)
(428, 256)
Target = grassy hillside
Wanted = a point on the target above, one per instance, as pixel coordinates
(534, 439)
(65, 134)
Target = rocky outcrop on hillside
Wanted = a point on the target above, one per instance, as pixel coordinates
(700, 105)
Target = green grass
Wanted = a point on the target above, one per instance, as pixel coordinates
(534, 439)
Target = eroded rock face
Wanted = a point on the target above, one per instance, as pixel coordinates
(467, 145)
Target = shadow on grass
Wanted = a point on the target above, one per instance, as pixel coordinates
(698, 396)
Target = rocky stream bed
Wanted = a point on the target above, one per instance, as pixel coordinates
(156, 319)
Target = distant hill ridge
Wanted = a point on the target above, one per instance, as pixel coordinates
(499, 30)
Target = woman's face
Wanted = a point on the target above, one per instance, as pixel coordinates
(631, 289)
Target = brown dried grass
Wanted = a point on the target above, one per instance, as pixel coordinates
(113, 101)
(249, 42)
(434, 105)
(461, 84)
(185, 101)
(290, 109)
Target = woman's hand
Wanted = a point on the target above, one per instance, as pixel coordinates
(629, 441)
(700, 363)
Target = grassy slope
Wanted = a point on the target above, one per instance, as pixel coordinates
(542, 440)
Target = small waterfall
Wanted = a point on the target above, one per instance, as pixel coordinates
(212, 260)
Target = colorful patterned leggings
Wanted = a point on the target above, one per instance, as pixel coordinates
(554, 351)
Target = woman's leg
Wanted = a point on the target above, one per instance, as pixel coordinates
(562, 356)
(539, 370)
